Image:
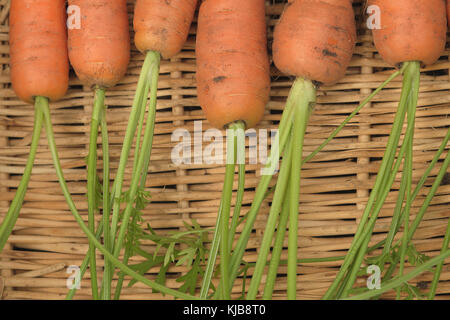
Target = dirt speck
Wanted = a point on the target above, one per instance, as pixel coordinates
(329, 53)
(219, 79)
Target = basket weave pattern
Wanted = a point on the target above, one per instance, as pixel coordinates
(334, 190)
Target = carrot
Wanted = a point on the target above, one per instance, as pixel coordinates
(233, 85)
(38, 49)
(412, 32)
(99, 51)
(162, 25)
(39, 72)
(315, 39)
(233, 80)
(161, 28)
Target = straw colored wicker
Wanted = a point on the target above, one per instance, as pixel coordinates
(335, 187)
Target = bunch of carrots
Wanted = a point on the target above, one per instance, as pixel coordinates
(313, 41)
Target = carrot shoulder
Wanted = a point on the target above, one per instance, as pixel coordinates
(38, 49)
(163, 25)
(99, 48)
(411, 30)
(315, 39)
(233, 76)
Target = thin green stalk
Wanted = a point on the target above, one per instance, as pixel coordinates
(397, 216)
(412, 105)
(124, 268)
(85, 264)
(445, 243)
(355, 112)
(212, 255)
(386, 164)
(277, 250)
(277, 202)
(106, 293)
(239, 199)
(92, 182)
(12, 215)
(126, 257)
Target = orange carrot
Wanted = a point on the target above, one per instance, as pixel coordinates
(233, 76)
(315, 39)
(162, 25)
(99, 50)
(39, 72)
(233, 86)
(411, 30)
(38, 44)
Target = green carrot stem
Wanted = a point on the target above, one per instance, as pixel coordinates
(277, 250)
(232, 139)
(386, 164)
(397, 216)
(124, 268)
(239, 200)
(12, 215)
(146, 145)
(126, 257)
(151, 86)
(106, 293)
(445, 243)
(212, 255)
(140, 95)
(85, 264)
(277, 202)
(412, 105)
(92, 182)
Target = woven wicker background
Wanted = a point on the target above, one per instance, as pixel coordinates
(335, 187)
